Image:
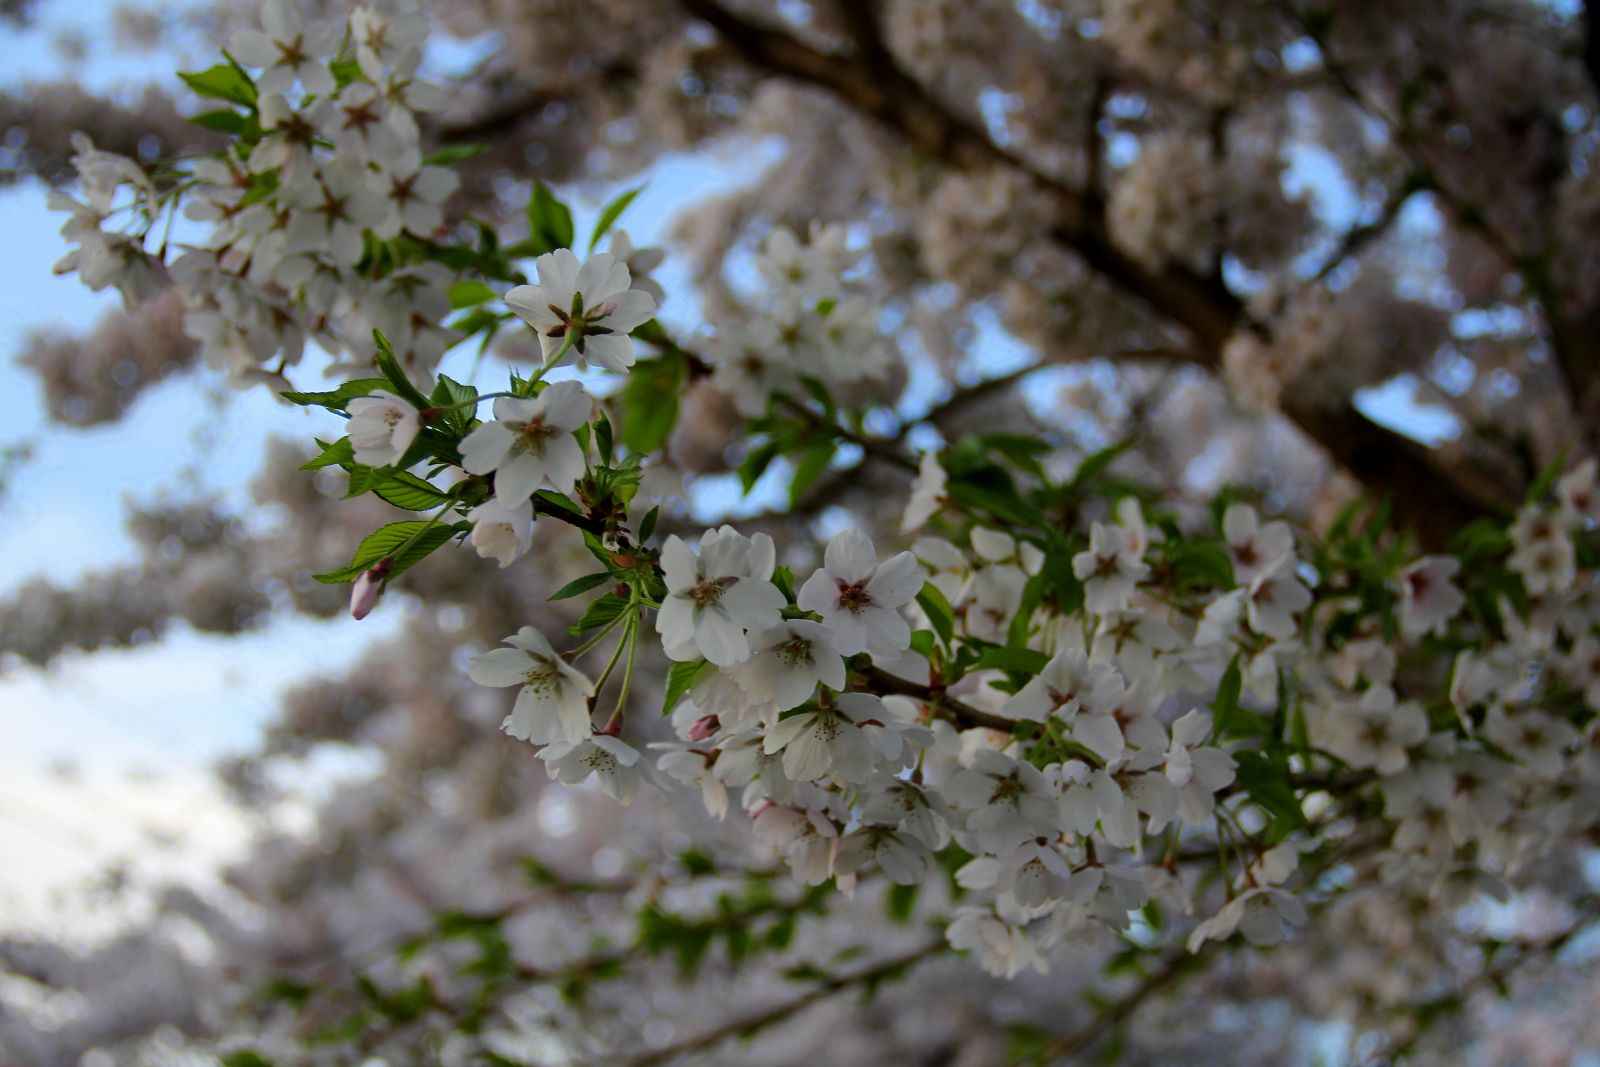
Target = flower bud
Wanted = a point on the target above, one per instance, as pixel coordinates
(703, 727)
(367, 589)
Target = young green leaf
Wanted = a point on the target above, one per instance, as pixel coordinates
(387, 540)
(579, 586)
(611, 213)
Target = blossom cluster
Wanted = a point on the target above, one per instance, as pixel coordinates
(1059, 689)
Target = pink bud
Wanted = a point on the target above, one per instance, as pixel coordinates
(368, 588)
(761, 808)
(703, 728)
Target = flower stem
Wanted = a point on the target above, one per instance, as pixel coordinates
(614, 724)
(550, 364)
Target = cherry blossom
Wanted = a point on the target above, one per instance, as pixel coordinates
(530, 442)
(588, 308)
(553, 702)
(859, 598)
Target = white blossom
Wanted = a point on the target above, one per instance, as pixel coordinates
(531, 442)
(613, 763)
(588, 306)
(1428, 597)
(382, 427)
(290, 50)
(714, 597)
(553, 703)
(502, 530)
(859, 598)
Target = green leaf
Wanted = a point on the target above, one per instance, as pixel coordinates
(341, 454)
(221, 82)
(610, 214)
(336, 399)
(451, 154)
(470, 294)
(393, 374)
(405, 490)
(650, 402)
(647, 525)
(230, 122)
(1094, 464)
(902, 902)
(755, 463)
(245, 1057)
(549, 221)
(387, 540)
(1225, 708)
(680, 679)
(1019, 660)
(579, 586)
(602, 611)
(941, 616)
(550, 496)
(344, 71)
(808, 467)
(603, 441)
(1267, 784)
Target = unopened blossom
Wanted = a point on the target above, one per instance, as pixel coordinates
(366, 590)
(382, 427)
(590, 308)
(859, 598)
(789, 660)
(1429, 598)
(714, 597)
(531, 442)
(927, 494)
(553, 703)
(1110, 568)
(502, 530)
(290, 50)
(613, 763)
(1255, 548)
(1068, 684)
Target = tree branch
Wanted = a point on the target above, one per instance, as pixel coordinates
(748, 1024)
(1429, 494)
